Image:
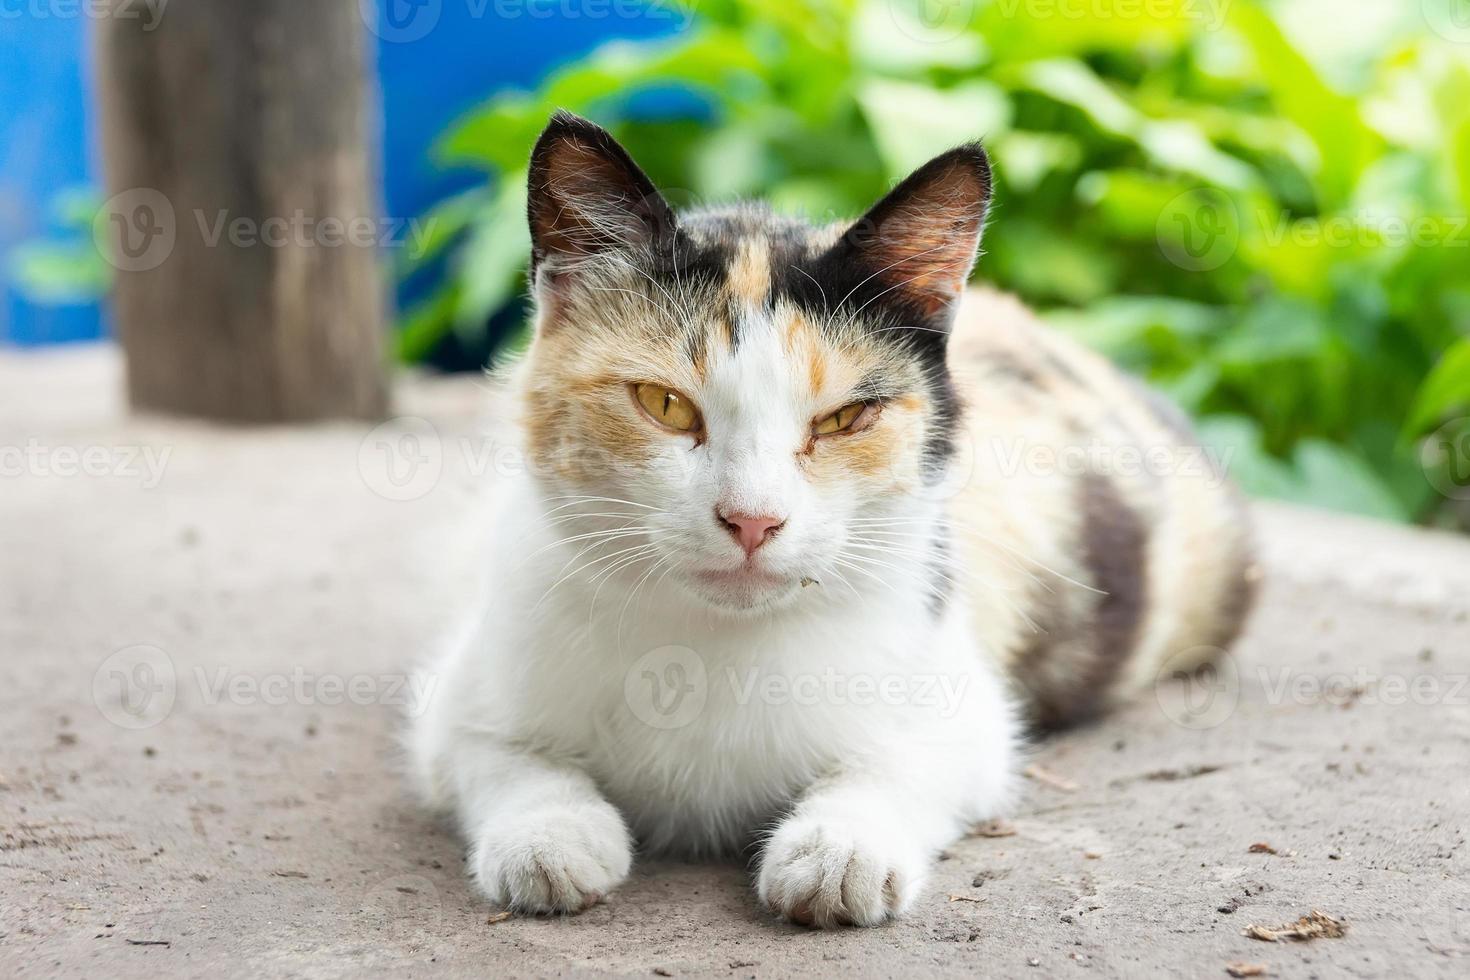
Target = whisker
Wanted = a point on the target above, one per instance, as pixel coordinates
(609, 500)
(906, 258)
(581, 568)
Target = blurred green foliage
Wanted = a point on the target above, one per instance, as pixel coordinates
(1260, 207)
(65, 270)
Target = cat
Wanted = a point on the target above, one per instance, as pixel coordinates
(803, 545)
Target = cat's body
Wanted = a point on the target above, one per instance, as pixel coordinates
(775, 567)
(1129, 550)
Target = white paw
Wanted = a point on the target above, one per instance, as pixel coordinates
(827, 873)
(559, 859)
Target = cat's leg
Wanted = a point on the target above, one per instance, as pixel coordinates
(541, 837)
(857, 848)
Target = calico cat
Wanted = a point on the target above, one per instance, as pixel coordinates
(807, 530)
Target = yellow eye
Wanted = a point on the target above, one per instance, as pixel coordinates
(667, 407)
(845, 419)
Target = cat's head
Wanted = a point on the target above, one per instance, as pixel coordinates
(738, 391)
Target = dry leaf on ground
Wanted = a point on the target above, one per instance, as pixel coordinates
(1313, 925)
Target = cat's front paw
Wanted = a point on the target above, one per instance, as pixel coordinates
(827, 873)
(559, 859)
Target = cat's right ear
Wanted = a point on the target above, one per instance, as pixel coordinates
(586, 198)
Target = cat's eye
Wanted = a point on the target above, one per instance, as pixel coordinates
(667, 407)
(848, 418)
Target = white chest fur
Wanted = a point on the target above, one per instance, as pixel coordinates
(702, 726)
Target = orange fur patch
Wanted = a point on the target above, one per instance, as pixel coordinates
(750, 273)
(579, 419)
(816, 369)
(805, 344)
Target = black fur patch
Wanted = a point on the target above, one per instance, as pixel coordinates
(1003, 367)
(1114, 550)
(830, 291)
(1069, 666)
(941, 573)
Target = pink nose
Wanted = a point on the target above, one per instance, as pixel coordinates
(751, 532)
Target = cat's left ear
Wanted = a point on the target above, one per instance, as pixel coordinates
(918, 245)
(586, 198)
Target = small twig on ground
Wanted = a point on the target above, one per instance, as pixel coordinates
(150, 942)
(1246, 969)
(500, 916)
(1262, 847)
(1174, 775)
(1046, 778)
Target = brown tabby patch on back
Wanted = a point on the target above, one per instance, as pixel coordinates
(1156, 569)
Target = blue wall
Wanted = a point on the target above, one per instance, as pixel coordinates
(436, 60)
(43, 118)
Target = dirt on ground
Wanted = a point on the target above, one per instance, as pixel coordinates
(202, 645)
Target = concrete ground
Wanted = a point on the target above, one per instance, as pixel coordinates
(199, 667)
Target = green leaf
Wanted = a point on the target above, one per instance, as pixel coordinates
(1017, 30)
(1344, 144)
(500, 134)
(731, 162)
(1131, 202)
(1024, 159)
(1333, 476)
(1048, 265)
(1447, 389)
(1118, 325)
(494, 258)
(892, 37)
(913, 123)
(422, 328)
(1320, 473)
(1181, 146)
(76, 207)
(1073, 83)
(60, 273)
(1235, 442)
(1175, 144)
(442, 225)
(1275, 331)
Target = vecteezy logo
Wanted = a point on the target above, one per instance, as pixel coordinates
(932, 21)
(667, 688)
(1445, 456)
(135, 688)
(1199, 697)
(1450, 19)
(401, 21)
(402, 459)
(135, 231)
(1199, 230)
